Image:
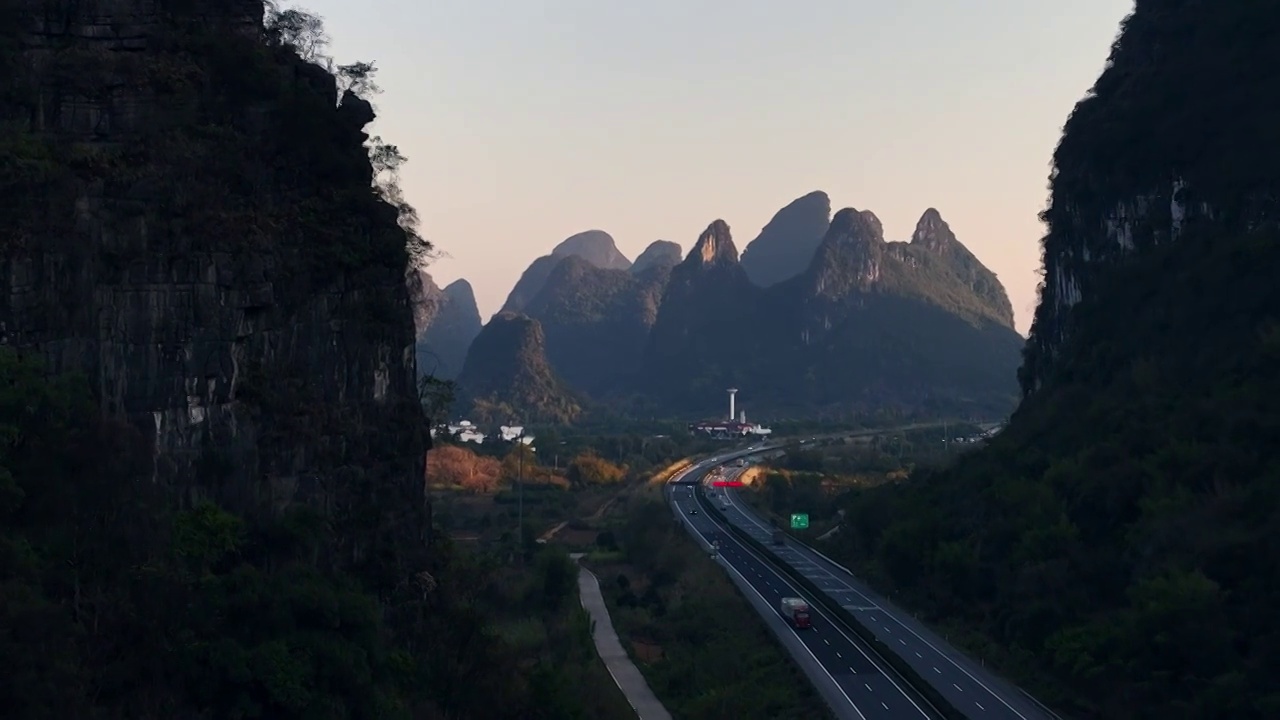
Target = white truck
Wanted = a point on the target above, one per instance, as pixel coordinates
(796, 611)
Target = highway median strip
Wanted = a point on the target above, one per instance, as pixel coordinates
(819, 597)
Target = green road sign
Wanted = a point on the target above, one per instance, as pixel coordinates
(799, 521)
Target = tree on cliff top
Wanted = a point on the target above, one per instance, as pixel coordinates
(305, 33)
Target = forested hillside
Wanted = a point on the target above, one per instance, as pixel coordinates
(211, 492)
(1119, 540)
(1116, 547)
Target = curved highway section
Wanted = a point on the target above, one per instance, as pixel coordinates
(967, 684)
(845, 673)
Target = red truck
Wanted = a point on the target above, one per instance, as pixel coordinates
(796, 611)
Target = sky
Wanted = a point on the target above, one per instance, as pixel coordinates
(526, 121)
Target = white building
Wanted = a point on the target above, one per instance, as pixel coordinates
(464, 431)
(512, 432)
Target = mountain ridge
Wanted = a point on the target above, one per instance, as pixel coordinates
(672, 336)
(595, 246)
(786, 244)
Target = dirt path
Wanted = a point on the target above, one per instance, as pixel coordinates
(592, 518)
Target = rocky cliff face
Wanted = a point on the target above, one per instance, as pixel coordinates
(1209, 163)
(902, 323)
(595, 246)
(187, 219)
(785, 246)
(934, 236)
(697, 319)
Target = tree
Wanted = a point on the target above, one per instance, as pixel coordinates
(518, 454)
(297, 29)
(591, 469)
(357, 78)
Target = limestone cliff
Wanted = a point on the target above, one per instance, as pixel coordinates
(697, 332)
(189, 219)
(1139, 164)
(869, 325)
(446, 321)
(785, 246)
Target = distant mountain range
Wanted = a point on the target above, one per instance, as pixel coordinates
(821, 316)
(446, 321)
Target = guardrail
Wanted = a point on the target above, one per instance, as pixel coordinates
(817, 596)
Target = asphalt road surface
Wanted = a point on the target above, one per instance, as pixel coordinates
(971, 688)
(853, 684)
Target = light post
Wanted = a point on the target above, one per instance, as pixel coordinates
(520, 491)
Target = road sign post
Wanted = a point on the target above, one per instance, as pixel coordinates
(799, 521)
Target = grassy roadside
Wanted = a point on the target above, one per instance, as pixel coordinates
(537, 614)
(526, 590)
(704, 650)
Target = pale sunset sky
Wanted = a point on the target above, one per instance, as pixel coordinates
(526, 121)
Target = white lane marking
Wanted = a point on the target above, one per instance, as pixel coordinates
(823, 615)
(868, 687)
(975, 702)
(957, 687)
(802, 643)
(932, 647)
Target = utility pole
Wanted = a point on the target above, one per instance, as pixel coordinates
(520, 493)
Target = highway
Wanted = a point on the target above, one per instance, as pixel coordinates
(844, 673)
(971, 688)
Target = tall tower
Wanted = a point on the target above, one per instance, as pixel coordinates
(732, 392)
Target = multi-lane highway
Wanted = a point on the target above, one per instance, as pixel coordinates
(967, 684)
(854, 684)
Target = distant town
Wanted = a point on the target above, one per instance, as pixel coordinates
(732, 427)
(465, 431)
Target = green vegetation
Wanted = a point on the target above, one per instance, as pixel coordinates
(1142, 143)
(507, 379)
(128, 590)
(597, 322)
(568, 484)
(118, 602)
(1113, 548)
(702, 647)
(643, 449)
